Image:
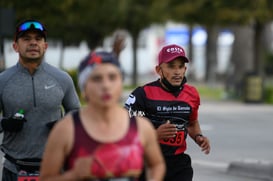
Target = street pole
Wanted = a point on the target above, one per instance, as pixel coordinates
(7, 18)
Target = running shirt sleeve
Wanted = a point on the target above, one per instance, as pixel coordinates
(71, 101)
(135, 103)
(195, 104)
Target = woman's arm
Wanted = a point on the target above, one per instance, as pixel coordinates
(153, 156)
(58, 145)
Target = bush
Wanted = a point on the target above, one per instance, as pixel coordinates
(268, 94)
(74, 75)
(269, 64)
(210, 92)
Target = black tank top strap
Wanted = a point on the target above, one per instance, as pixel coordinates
(133, 120)
(116, 179)
(76, 117)
(132, 128)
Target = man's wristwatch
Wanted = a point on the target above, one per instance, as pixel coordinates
(196, 136)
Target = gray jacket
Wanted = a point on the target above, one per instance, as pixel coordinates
(44, 96)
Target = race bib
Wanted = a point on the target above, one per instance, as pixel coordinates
(28, 178)
(178, 140)
(117, 179)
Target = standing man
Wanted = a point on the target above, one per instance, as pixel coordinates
(40, 91)
(172, 106)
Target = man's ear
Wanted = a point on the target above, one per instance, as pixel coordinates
(46, 45)
(158, 70)
(15, 46)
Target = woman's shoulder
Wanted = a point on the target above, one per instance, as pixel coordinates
(63, 128)
(144, 125)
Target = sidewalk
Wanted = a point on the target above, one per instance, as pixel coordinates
(255, 169)
(252, 168)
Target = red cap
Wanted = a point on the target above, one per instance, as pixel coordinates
(171, 52)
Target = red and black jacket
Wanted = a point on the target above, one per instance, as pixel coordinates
(160, 105)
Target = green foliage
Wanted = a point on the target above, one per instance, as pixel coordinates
(269, 94)
(208, 12)
(74, 75)
(75, 20)
(210, 92)
(269, 64)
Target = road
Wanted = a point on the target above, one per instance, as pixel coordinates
(237, 132)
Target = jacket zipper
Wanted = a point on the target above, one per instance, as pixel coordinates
(33, 90)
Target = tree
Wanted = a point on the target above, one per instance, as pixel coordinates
(135, 15)
(72, 21)
(192, 13)
(231, 13)
(75, 20)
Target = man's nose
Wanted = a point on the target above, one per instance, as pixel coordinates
(177, 70)
(33, 41)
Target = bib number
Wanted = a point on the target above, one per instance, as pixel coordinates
(28, 178)
(178, 140)
(25, 176)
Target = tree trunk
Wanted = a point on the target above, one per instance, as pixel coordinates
(241, 59)
(190, 75)
(258, 48)
(61, 61)
(135, 72)
(2, 56)
(211, 54)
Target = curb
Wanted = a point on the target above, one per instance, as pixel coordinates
(255, 169)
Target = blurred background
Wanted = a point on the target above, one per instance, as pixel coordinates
(229, 42)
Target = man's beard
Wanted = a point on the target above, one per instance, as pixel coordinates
(32, 60)
(170, 87)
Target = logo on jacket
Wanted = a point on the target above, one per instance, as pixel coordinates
(50, 86)
(130, 100)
